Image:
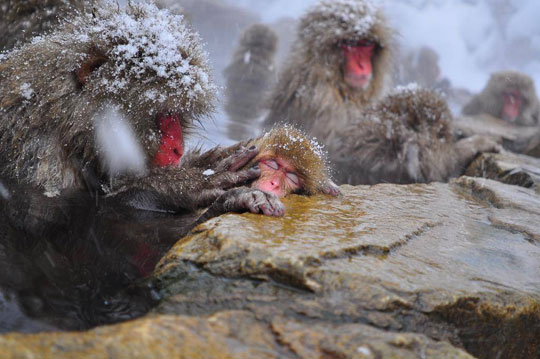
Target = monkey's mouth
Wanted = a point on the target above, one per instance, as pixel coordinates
(357, 81)
(171, 147)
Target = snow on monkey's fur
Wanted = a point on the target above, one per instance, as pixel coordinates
(148, 62)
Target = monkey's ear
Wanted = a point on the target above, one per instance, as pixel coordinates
(95, 59)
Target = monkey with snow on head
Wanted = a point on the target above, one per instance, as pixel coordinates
(405, 138)
(289, 162)
(339, 64)
(249, 77)
(139, 66)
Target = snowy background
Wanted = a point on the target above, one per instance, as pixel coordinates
(472, 38)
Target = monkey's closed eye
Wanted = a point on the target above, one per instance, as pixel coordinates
(272, 164)
(294, 178)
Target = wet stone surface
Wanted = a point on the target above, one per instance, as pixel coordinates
(416, 271)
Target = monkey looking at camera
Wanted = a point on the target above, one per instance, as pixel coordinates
(339, 64)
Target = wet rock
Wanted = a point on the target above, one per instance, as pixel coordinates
(507, 167)
(385, 271)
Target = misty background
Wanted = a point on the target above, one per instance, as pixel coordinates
(472, 38)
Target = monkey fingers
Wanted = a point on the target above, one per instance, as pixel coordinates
(244, 199)
(238, 159)
(331, 189)
(234, 179)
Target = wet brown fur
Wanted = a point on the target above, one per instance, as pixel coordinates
(47, 134)
(406, 138)
(311, 92)
(249, 77)
(20, 20)
(490, 100)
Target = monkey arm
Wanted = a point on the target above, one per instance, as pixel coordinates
(468, 148)
(196, 184)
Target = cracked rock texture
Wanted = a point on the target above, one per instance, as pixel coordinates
(386, 271)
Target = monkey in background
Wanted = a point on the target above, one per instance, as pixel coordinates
(509, 96)
(405, 138)
(248, 79)
(339, 64)
(508, 110)
(58, 89)
(20, 20)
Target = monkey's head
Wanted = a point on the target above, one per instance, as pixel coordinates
(291, 162)
(350, 38)
(510, 95)
(259, 38)
(415, 108)
(140, 60)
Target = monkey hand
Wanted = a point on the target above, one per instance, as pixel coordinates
(244, 199)
(483, 144)
(330, 188)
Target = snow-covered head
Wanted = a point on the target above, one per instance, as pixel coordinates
(301, 155)
(332, 21)
(142, 61)
(351, 38)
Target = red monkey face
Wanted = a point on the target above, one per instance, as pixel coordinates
(357, 66)
(171, 147)
(512, 105)
(278, 176)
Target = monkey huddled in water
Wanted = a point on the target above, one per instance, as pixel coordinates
(339, 63)
(20, 20)
(248, 79)
(405, 138)
(507, 109)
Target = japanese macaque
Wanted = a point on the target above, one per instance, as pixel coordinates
(248, 79)
(291, 162)
(339, 64)
(508, 110)
(509, 96)
(22, 19)
(405, 138)
(219, 23)
(62, 90)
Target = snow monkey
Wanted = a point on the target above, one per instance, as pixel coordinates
(291, 162)
(339, 63)
(248, 79)
(22, 19)
(406, 138)
(112, 82)
(509, 96)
